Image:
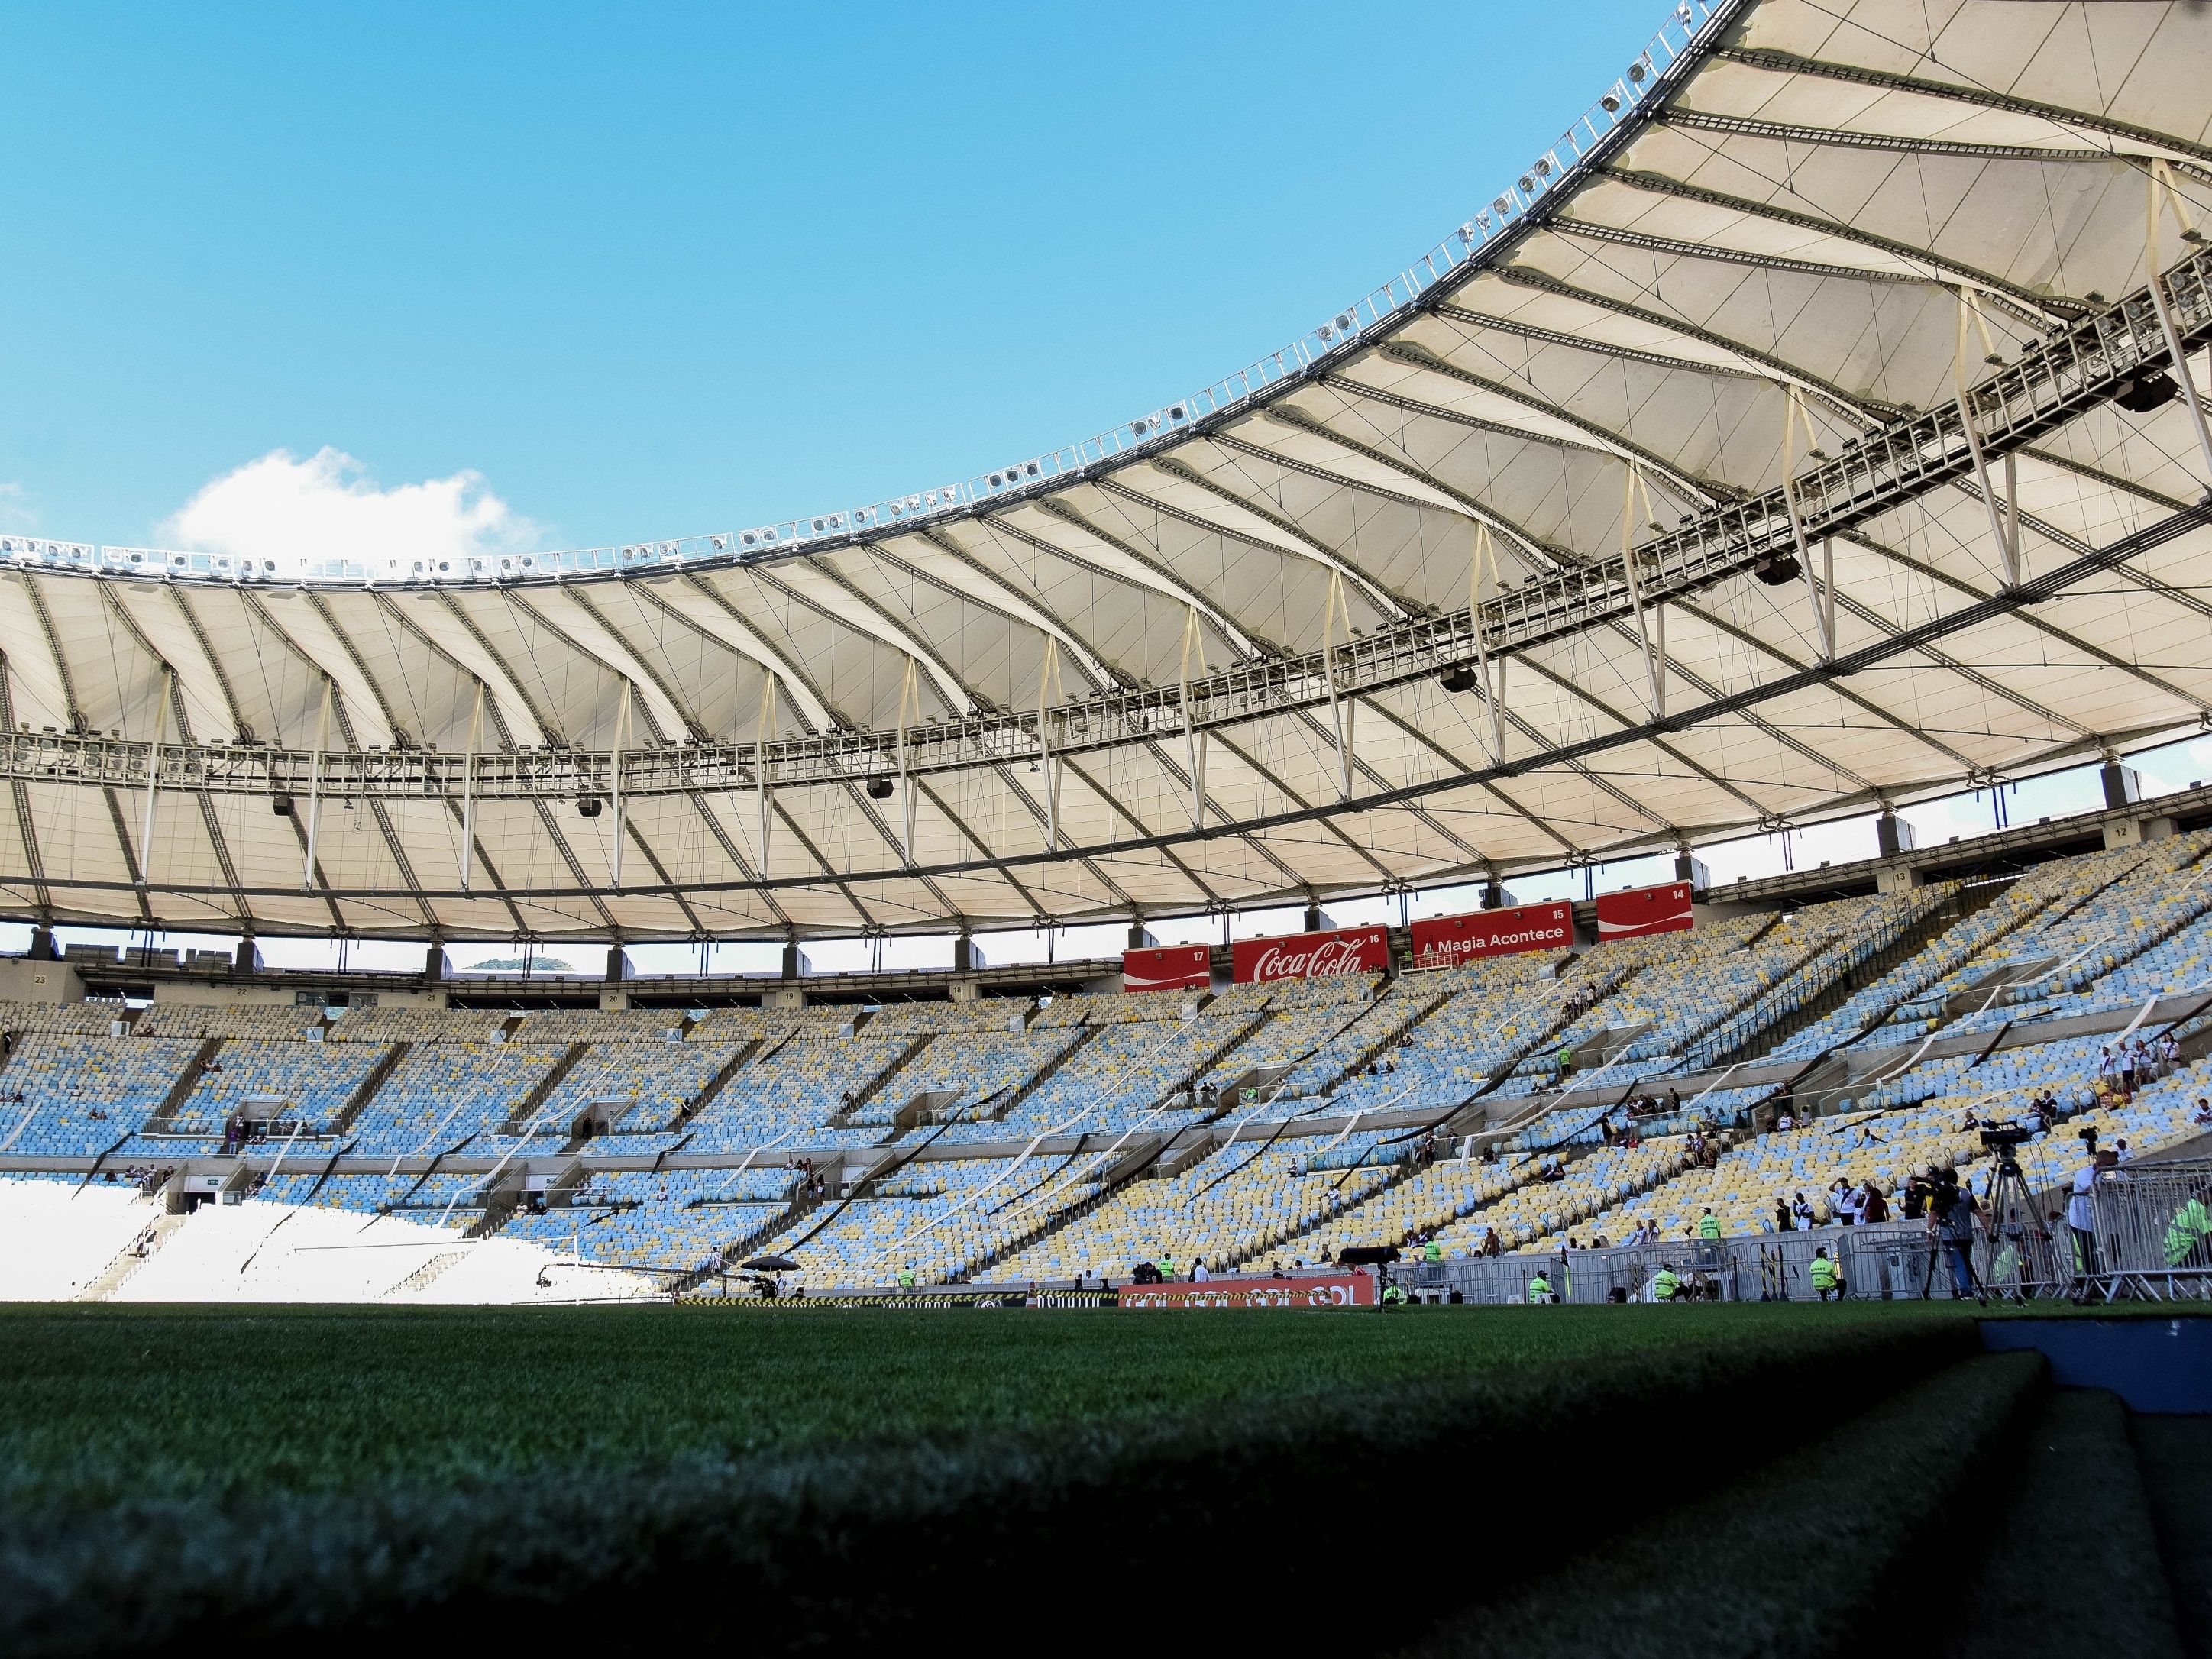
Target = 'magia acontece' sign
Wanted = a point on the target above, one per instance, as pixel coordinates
(1441, 941)
(1312, 956)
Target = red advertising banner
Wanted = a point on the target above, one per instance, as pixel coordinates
(1645, 910)
(1333, 1291)
(1167, 967)
(1441, 941)
(1312, 956)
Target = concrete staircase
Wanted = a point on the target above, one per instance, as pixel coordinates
(128, 1262)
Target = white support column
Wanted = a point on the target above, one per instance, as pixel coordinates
(1336, 705)
(1970, 313)
(621, 743)
(2162, 191)
(763, 735)
(153, 776)
(468, 790)
(1193, 645)
(1631, 484)
(909, 693)
(1050, 695)
(1486, 554)
(315, 786)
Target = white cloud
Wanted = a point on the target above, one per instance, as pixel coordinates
(15, 508)
(293, 512)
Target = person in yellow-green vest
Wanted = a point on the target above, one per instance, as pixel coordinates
(1392, 1295)
(2189, 1235)
(1666, 1286)
(1432, 1251)
(1827, 1276)
(1167, 1268)
(906, 1276)
(1540, 1289)
(1709, 1227)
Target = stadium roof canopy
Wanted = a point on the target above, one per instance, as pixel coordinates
(1838, 315)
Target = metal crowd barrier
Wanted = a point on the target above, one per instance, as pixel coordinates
(2149, 1238)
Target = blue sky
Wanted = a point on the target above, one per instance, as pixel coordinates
(660, 270)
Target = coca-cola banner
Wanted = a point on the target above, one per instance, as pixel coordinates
(1645, 910)
(1312, 956)
(1441, 941)
(1336, 1290)
(1167, 967)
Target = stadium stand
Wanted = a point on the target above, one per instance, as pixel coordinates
(1012, 1139)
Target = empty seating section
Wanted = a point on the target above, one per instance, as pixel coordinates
(445, 1093)
(84, 1094)
(956, 1212)
(982, 1068)
(185, 1019)
(1245, 1200)
(595, 1025)
(82, 1018)
(1119, 1077)
(314, 1085)
(793, 1089)
(1536, 1209)
(389, 1025)
(642, 1086)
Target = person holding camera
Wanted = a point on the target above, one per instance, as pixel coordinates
(1951, 1224)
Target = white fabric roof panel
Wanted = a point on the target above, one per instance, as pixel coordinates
(1789, 216)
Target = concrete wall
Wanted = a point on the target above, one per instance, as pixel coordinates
(24, 981)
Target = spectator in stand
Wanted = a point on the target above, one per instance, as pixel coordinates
(1843, 1207)
(1492, 1244)
(2201, 1118)
(1873, 1206)
(1783, 1224)
(2121, 1150)
(1197, 1273)
(1800, 1214)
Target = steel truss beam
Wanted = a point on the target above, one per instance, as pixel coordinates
(1903, 641)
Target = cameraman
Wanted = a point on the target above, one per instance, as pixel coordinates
(1951, 1221)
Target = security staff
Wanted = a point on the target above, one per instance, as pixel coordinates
(1708, 1228)
(1827, 1278)
(906, 1276)
(1432, 1251)
(1540, 1289)
(1665, 1286)
(2185, 1235)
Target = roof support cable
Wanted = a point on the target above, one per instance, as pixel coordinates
(153, 776)
(1655, 666)
(1194, 738)
(2004, 520)
(2163, 191)
(469, 789)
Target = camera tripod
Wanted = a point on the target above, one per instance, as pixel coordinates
(2020, 1252)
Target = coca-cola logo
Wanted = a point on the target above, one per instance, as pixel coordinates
(1311, 956)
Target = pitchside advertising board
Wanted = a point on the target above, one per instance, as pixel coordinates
(1312, 956)
(1335, 1290)
(1167, 967)
(1442, 941)
(1643, 910)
